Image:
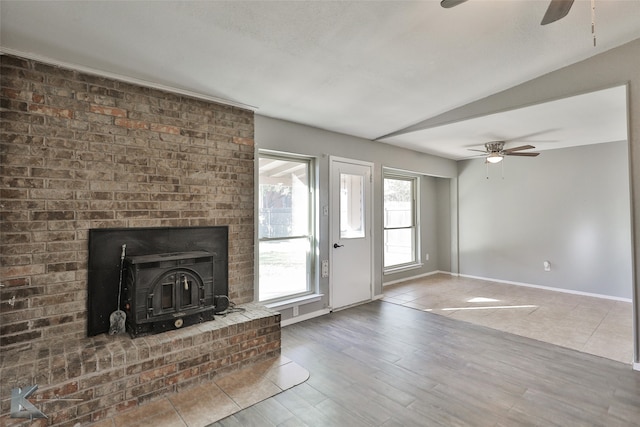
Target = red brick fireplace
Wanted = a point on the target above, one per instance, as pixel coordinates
(82, 152)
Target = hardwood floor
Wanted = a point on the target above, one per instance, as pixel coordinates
(382, 364)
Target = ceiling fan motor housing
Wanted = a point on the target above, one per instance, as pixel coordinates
(494, 147)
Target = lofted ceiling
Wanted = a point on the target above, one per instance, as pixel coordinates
(591, 118)
(372, 69)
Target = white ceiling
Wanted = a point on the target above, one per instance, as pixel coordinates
(364, 68)
(591, 118)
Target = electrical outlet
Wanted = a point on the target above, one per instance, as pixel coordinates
(296, 310)
(426, 257)
(325, 268)
(547, 266)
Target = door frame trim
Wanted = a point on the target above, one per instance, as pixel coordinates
(334, 221)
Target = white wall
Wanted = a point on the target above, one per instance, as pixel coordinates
(279, 135)
(570, 207)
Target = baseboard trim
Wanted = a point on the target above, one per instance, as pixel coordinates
(548, 288)
(636, 366)
(303, 317)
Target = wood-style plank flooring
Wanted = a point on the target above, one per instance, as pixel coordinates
(382, 364)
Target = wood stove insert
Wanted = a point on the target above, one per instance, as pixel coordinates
(185, 271)
(168, 291)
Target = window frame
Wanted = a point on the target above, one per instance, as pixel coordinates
(395, 174)
(311, 236)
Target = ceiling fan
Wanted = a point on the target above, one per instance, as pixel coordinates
(494, 151)
(557, 9)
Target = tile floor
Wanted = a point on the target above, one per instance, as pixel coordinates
(592, 325)
(207, 403)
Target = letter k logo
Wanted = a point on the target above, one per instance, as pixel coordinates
(21, 407)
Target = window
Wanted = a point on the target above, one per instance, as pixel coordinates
(285, 227)
(401, 229)
(351, 206)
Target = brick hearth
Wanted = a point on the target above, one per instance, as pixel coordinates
(87, 380)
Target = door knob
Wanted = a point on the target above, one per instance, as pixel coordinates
(336, 246)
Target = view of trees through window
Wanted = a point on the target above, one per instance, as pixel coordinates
(284, 227)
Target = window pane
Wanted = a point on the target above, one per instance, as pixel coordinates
(167, 296)
(400, 216)
(398, 246)
(283, 198)
(351, 206)
(398, 203)
(186, 287)
(283, 268)
(285, 226)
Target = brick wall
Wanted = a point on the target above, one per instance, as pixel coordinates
(82, 152)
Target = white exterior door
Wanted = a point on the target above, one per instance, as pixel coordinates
(350, 223)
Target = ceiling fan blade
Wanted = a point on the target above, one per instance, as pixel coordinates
(451, 3)
(479, 151)
(522, 154)
(523, 147)
(557, 9)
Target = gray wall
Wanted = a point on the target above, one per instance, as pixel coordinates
(614, 67)
(279, 135)
(444, 215)
(568, 206)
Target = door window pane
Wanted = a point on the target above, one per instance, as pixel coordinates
(351, 206)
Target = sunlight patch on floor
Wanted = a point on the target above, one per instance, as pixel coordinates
(483, 299)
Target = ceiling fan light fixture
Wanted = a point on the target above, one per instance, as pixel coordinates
(494, 158)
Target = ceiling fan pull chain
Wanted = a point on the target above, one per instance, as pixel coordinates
(593, 21)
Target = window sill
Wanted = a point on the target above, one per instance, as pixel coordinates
(292, 302)
(402, 268)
